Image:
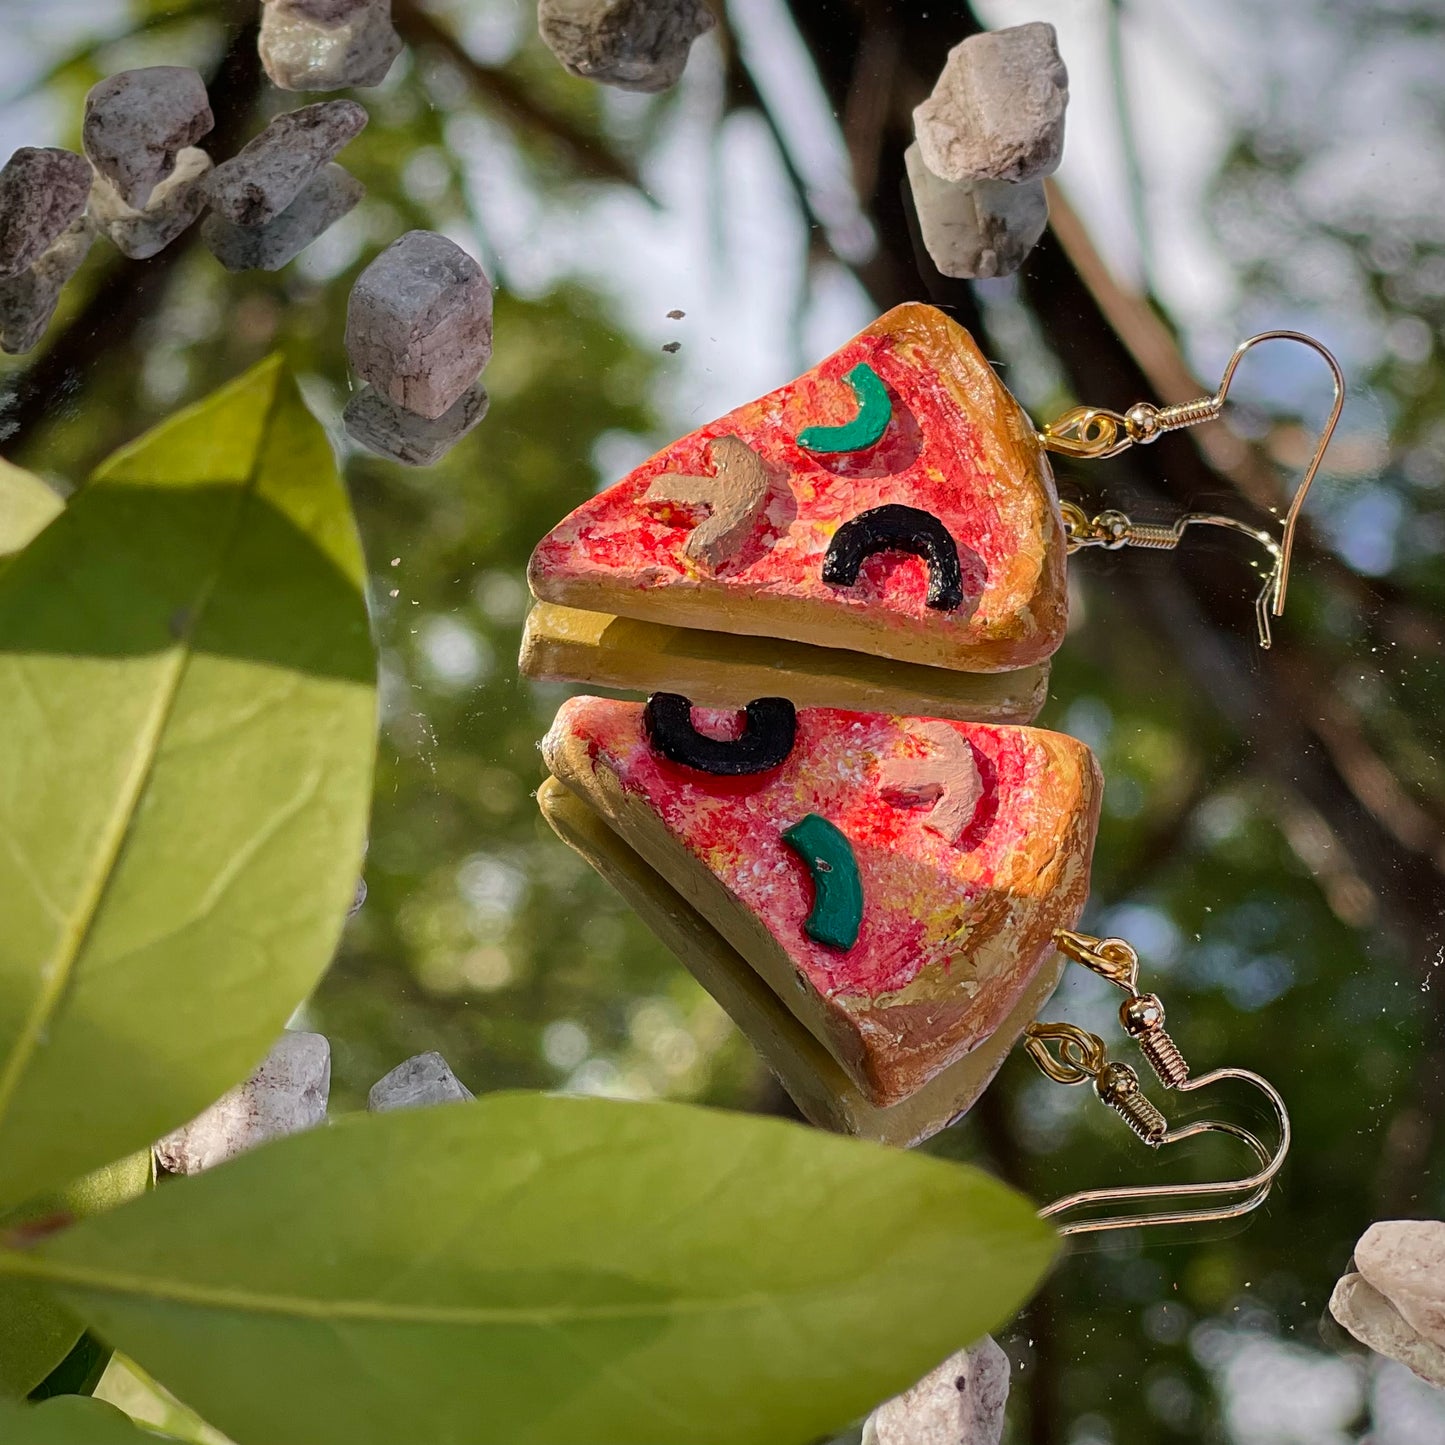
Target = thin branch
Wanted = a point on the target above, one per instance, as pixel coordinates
(866, 109)
(1156, 353)
(1313, 842)
(743, 90)
(586, 153)
(1129, 139)
(1274, 708)
(1413, 826)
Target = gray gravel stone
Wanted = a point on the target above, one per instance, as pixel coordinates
(287, 1094)
(172, 208)
(42, 190)
(28, 301)
(962, 1402)
(632, 44)
(976, 228)
(997, 112)
(324, 201)
(419, 323)
(415, 441)
(138, 121)
(327, 44)
(262, 180)
(422, 1080)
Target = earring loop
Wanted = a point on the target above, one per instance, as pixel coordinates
(1095, 433)
(1081, 1056)
(1255, 1188)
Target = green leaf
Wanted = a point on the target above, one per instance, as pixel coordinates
(27, 506)
(528, 1270)
(36, 1332)
(71, 1420)
(187, 705)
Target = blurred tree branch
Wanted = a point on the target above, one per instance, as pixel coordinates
(584, 152)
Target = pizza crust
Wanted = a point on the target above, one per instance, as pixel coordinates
(562, 644)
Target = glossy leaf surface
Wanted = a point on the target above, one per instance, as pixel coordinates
(36, 1332)
(530, 1270)
(187, 703)
(71, 1420)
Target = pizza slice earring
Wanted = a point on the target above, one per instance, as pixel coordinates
(883, 532)
(884, 906)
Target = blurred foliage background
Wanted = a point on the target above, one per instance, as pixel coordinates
(1273, 836)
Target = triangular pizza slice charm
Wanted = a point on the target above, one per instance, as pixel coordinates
(893, 502)
(895, 881)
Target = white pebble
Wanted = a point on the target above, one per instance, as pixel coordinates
(1375, 1322)
(323, 202)
(267, 175)
(997, 111)
(42, 191)
(327, 44)
(422, 1080)
(976, 229)
(401, 436)
(1405, 1260)
(286, 1095)
(632, 44)
(962, 1402)
(171, 210)
(28, 301)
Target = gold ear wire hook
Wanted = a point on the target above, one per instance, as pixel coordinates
(1094, 433)
(1255, 1187)
(1291, 520)
(1081, 1055)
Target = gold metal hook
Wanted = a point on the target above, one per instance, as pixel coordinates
(1253, 1188)
(1110, 958)
(1141, 1014)
(1094, 433)
(1081, 1055)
